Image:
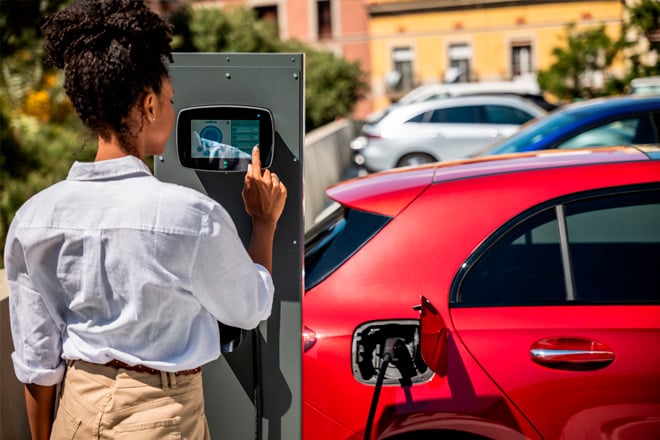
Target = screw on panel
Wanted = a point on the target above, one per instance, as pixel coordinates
(227, 75)
(295, 76)
(161, 158)
(227, 59)
(295, 242)
(295, 159)
(293, 59)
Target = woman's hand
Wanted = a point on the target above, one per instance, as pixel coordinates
(263, 193)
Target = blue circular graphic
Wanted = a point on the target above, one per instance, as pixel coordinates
(211, 133)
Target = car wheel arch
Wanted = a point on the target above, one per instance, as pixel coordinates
(447, 425)
(409, 158)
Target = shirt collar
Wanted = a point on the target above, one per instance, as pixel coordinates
(123, 167)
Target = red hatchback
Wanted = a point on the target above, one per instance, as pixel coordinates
(540, 275)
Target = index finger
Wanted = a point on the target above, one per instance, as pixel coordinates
(256, 161)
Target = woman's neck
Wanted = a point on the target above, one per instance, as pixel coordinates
(109, 149)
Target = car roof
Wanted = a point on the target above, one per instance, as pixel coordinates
(388, 192)
(406, 111)
(458, 89)
(612, 104)
(570, 119)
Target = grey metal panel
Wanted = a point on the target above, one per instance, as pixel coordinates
(244, 402)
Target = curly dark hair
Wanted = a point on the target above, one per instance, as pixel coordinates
(113, 52)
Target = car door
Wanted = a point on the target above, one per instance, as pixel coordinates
(562, 309)
(459, 131)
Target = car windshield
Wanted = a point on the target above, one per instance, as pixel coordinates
(334, 239)
(535, 131)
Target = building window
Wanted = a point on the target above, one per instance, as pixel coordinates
(401, 78)
(268, 13)
(324, 19)
(521, 59)
(460, 59)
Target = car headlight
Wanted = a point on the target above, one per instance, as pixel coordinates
(358, 143)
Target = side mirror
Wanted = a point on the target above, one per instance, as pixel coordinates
(434, 338)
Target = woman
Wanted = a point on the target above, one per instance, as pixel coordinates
(117, 280)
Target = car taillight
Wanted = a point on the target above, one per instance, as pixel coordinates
(309, 338)
(373, 136)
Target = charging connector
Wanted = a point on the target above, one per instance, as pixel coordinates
(393, 351)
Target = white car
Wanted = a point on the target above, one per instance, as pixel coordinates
(440, 130)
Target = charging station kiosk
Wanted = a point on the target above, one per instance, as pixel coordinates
(225, 103)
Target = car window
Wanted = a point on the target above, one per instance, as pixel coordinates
(469, 114)
(422, 117)
(531, 134)
(501, 114)
(636, 130)
(522, 268)
(608, 254)
(332, 241)
(615, 248)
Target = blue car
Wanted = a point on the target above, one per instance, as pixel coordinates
(602, 122)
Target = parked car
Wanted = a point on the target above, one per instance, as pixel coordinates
(602, 122)
(542, 300)
(528, 89)
(428, 92)
(648, 85)
(443, 129)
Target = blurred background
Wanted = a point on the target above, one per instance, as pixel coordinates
(362, 56)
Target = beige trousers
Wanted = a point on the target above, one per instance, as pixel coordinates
(101, 402)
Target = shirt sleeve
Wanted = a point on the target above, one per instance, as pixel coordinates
(228, 284)
(37, 355)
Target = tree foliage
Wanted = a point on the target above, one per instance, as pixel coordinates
(588, 53)
(643, 20)
(333, 85)
(580, 64)
(39, 134)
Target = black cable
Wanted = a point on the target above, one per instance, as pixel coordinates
(374, 400)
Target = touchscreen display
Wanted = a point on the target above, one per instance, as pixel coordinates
(221, 138)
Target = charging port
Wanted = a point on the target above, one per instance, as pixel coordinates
(400, 338)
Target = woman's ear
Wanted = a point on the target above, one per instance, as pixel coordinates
(148, 106)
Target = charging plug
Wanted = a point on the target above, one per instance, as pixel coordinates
(393, 349)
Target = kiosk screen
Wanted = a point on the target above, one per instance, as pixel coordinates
(221, 138)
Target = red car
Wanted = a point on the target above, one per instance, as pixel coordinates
(540, 276)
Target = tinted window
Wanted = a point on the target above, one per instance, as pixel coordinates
(419, 118)
(611, 253)
(458, 115)
(533, 133)
(524, 267)
(334, 240)
(500, 114)
(615, 248)
(640, 129)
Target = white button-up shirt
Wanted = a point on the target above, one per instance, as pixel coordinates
(112, 263)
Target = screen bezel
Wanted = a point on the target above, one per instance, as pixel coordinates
(224, 112)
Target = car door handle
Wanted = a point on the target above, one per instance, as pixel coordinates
(570, 353)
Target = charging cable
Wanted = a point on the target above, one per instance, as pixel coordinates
(391, 353)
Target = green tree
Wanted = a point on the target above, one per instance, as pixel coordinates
(40, 136)
(333, 85)
(643, 21)
(592, 50)
(587, 54)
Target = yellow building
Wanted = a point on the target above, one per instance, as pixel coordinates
(414, 42)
